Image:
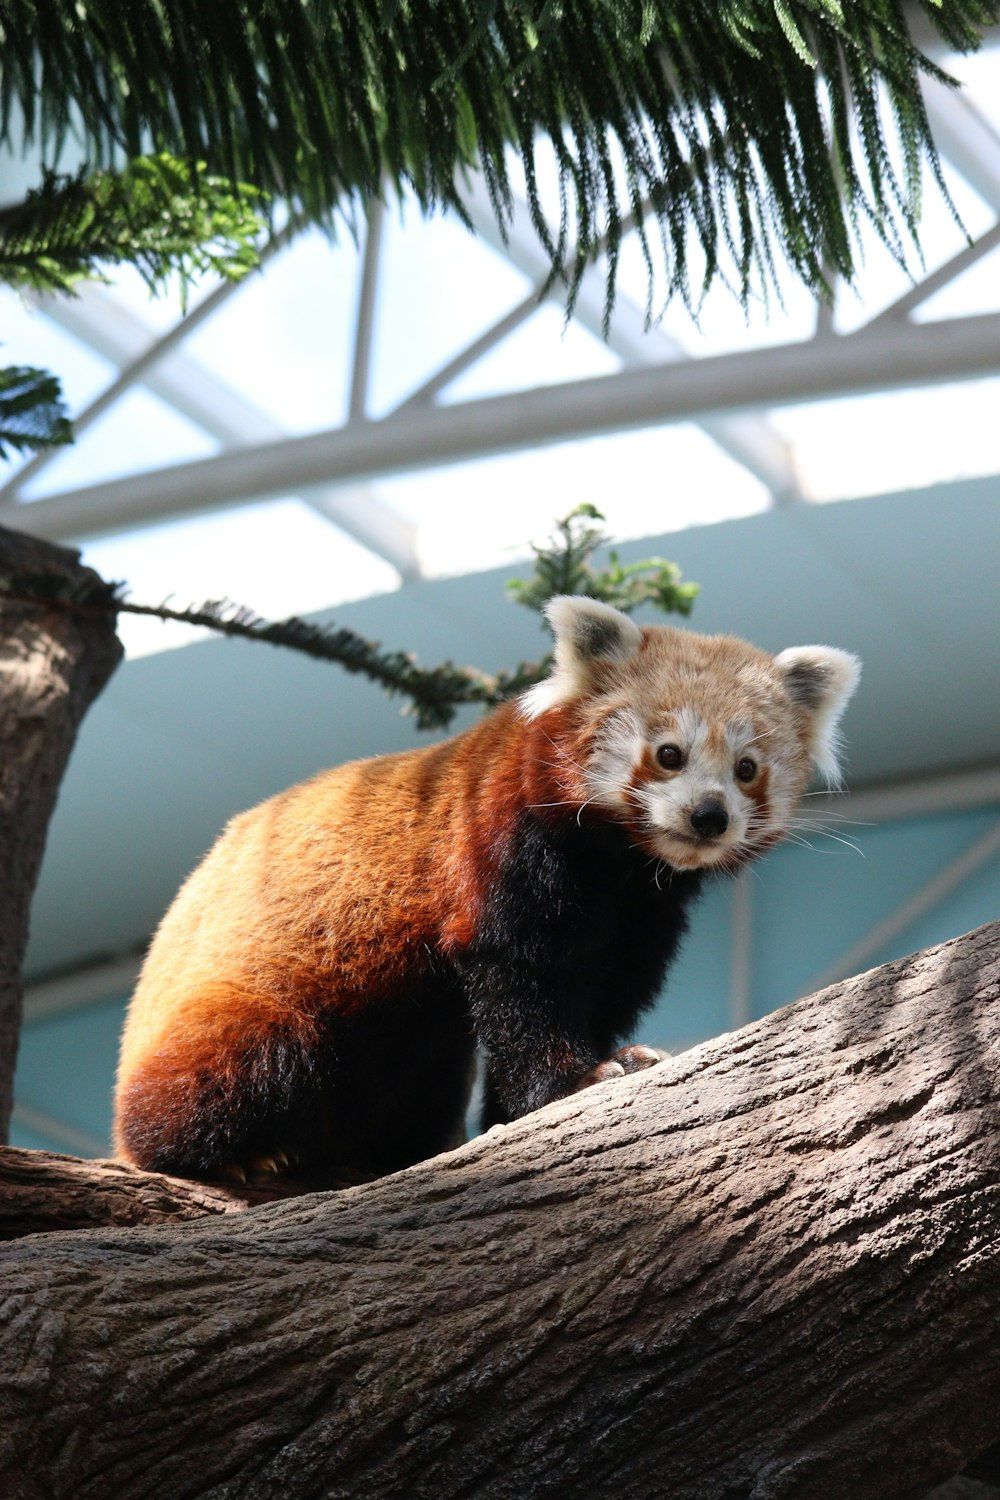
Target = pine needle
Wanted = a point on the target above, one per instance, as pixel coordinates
(732, 122)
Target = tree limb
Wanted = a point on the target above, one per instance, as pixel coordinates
(766, 1270)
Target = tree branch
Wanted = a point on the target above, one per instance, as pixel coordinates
(766, 1270)
(733, 138)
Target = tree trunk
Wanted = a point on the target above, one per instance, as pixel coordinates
(766, 1270)
(53, 663)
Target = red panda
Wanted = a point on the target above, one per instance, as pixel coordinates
(317, 992)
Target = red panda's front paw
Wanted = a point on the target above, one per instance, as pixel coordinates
(638, 1056)
(632, 1059)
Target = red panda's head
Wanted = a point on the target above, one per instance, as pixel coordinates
(700, 745)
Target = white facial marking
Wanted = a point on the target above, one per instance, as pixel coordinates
(740, 736)
(618, 748)
(618, 778)
(706, 779)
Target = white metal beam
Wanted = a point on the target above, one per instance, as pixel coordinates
(136, 371)
(89, 985)
(103, 323)
(953, 268)
(749, 440)
(112, 330)
(365, 326)
(40, 1122)
(965, 137)
(930, 41)
(955, 792)
(897, 357)
(442, 378)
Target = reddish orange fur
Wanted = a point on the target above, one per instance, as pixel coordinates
(380, 860)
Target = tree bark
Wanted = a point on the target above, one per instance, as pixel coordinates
(53, 662)
(766, 1270)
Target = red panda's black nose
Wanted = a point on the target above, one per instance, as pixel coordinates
(709, 819)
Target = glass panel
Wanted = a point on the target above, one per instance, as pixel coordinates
(486, 514)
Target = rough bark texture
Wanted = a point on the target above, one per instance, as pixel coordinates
(766, 1270)
(53, 663)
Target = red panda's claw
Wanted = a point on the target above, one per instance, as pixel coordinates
(269, 1164)
(264, 1165)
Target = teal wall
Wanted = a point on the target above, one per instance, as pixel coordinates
(65, 1068)
(808, 906)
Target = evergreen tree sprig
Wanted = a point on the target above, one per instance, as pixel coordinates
(160, 214)
(32, 411)
(563, 566)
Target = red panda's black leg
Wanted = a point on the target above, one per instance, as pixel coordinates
(504, 1100)
(574, 942)
(507, 1097)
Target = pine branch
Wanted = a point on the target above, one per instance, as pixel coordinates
(727, 130)
(563, 567)
(434, 693)
(159, 214)
(32, 413)
(163, 216)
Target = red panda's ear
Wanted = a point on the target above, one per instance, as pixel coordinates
(821, 680)
(586, 632)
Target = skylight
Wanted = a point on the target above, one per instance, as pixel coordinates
(280, 357)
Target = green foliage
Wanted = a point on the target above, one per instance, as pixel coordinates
(731, 137)
(726, 131)
(563, 566)
(161, 215)
(32, 414)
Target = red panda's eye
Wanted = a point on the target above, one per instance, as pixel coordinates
(670, 757)
(746, 769)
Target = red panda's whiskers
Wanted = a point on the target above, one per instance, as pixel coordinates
(803, 825)
(821, 819)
